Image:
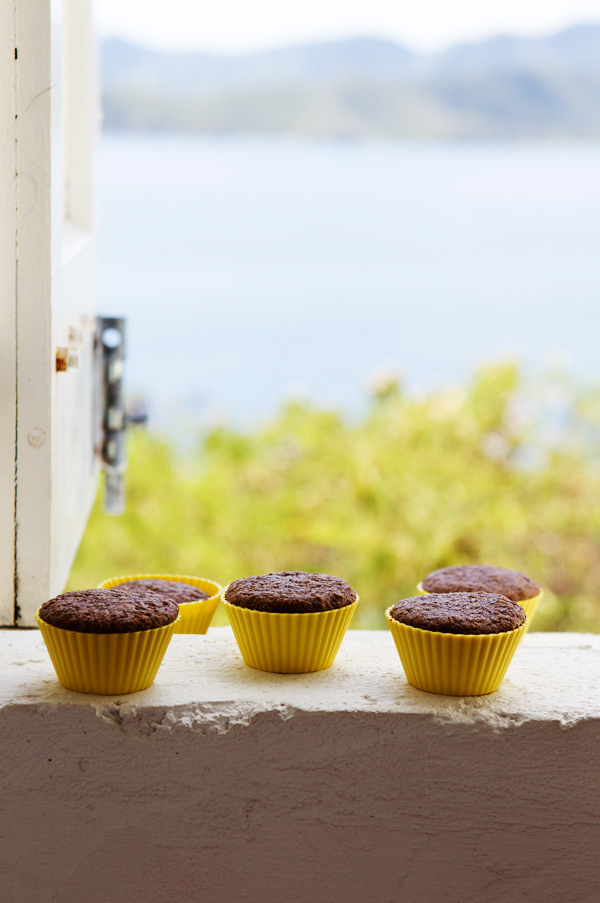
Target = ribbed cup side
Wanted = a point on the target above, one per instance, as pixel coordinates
(529, 605)
(195, 616)
(106, 663)
(289, 643)
(454, 664)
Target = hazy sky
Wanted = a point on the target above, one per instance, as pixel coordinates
(233, 25)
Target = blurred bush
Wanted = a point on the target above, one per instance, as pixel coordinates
(497, 473)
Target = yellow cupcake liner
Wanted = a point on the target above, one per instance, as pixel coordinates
(454, 664)
(530, 605)
(195, 616)
(291, 643)
(109, 664)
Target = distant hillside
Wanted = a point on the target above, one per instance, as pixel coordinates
(501, 88)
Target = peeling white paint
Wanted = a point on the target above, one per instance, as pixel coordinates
(200, 718)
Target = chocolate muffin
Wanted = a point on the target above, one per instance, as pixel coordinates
(290, 592)
(473, 578)
(167, 589)
(460, 613)
(108, 611)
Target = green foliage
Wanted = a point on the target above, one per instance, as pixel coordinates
(454, 477)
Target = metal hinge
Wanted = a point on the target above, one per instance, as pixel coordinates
(111, 343)
(114, 418)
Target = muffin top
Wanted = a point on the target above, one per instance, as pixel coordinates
(168, 589)
(108, 611)
(472, 578)
(465, 613)
(291, 592)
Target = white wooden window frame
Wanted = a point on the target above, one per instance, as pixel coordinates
(48, 296)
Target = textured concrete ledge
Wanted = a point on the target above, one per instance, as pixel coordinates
(227, 784)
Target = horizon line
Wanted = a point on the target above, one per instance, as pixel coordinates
(344, 38)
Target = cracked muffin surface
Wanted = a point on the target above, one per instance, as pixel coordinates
(460, 613)
(472, 578)
(290, 592)
(108, 611)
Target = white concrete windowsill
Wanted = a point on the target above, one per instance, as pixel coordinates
(553, 677)
(346, 784)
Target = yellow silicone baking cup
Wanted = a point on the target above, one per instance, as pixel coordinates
(195, 616)
(291, 643)
(106, 663)
(454, 664)
(530, 605)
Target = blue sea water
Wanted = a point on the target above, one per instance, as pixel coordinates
(252, 270)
